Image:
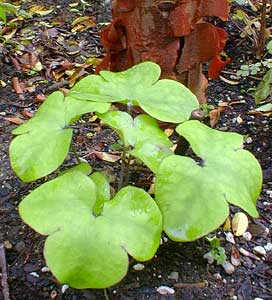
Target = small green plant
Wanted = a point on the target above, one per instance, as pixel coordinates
(91, 235)
(6, 8)
(217, 253)
(252, 69)
(264, 89)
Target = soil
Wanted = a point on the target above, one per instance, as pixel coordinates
(23, 247)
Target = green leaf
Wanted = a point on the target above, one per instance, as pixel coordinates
(44, 140)
(269, 47)
(103, 191)
(264, 89)
(85, 251)
(165, 100)
(194, 197)
(150, 144)
(3, 14)
(83, 167)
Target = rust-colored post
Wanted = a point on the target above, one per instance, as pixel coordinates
(172, 33)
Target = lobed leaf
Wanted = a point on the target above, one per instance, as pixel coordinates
(166, 100)
(150, 144)
(83, 250)
(193, 197)
(43, 142)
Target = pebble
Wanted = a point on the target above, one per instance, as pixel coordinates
(7, 244)
(174, 276)
(208, 257)
(138, 267)
(249, 140)
(165, 290)
(247, 236)
(64, 288)
(269, 193)
(268, 247)
(217, 276)
(35, 274)
(229, 237)
(259, 250)
(45, 269)
(228, 267)
(258, 299)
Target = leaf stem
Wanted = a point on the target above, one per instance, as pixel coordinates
(106, 294)
(75, 153)
(123, 169)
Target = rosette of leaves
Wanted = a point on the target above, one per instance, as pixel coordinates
(43, 142)
(201, 189)
(141, 135)
(166, 100)
(91, 236)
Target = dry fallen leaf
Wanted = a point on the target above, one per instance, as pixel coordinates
(16, 85)
(227, 225)
(14, 120)
(235, 257)
(105, 156)
(239, 224)
(215, 115)
(169, 131)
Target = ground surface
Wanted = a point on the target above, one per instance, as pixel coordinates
(58, 50)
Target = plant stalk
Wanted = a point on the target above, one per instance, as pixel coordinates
(262, 38)
(75, 153)
(124, 173)
(106, 294)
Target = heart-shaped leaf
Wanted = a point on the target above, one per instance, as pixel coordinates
(193, 197)
(166, 100)
(86, 251)
(44, 140)
(150, 144)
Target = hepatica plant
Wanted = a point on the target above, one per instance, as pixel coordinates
(91, 235)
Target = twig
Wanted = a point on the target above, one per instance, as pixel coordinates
(180, 285)
(106, 294)
(4, 280)
(57, 85)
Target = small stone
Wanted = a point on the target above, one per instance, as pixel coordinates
(259, 250)
(165, 239)
(174, 276)
(7, 244)
(268, 247)
(138, 267)
(45, 269)
(165, 290)
(35, 274)
(249, 140)
(239, 223)
(269, 193)
(64, 288)
(239, 120)
(208, 257)
(258, 299)
(229, 237)
(217, 276)
(247, 236)
(53, 295)
(228, 267)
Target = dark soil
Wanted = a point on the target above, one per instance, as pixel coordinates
(23, 247)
